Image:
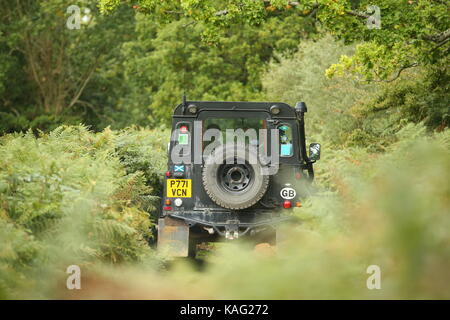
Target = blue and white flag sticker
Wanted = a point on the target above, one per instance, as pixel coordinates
(178, 168)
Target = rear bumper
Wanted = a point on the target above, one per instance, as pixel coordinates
(224, 222)
(175, 230)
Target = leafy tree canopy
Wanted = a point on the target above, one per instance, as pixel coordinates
(412, 32)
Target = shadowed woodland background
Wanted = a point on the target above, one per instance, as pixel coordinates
(84, 118)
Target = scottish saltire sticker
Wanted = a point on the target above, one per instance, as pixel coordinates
(178, 168)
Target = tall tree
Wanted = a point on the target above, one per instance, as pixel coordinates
(54, 51)
(170, 58)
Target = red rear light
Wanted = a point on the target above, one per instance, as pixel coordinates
(167, 208)
(184, 129)
(168, 174)
(286, 204)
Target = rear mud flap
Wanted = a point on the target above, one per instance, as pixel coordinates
(173, 237)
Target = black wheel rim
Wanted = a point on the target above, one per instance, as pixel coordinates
(235, 177)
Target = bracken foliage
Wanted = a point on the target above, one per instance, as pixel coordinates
(72, 195)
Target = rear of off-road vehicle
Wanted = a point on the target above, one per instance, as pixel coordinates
(235, 169)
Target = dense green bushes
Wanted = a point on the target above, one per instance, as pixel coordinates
(72, 195)
(75, 197)
(389, 210)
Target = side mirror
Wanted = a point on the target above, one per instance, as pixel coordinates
(314, 151)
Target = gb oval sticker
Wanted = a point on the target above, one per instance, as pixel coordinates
(288, 193)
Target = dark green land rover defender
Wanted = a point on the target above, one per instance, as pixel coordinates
(235, 169)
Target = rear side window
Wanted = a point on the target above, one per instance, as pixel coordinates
(182, 137)
(286, 145)
(183, 134)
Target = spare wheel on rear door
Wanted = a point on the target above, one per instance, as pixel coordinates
(235, 180)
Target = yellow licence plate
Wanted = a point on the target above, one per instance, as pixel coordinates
(179, 188)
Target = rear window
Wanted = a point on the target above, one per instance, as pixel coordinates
(286, 146)
(222, 124)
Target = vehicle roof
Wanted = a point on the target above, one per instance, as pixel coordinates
(286, 111)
